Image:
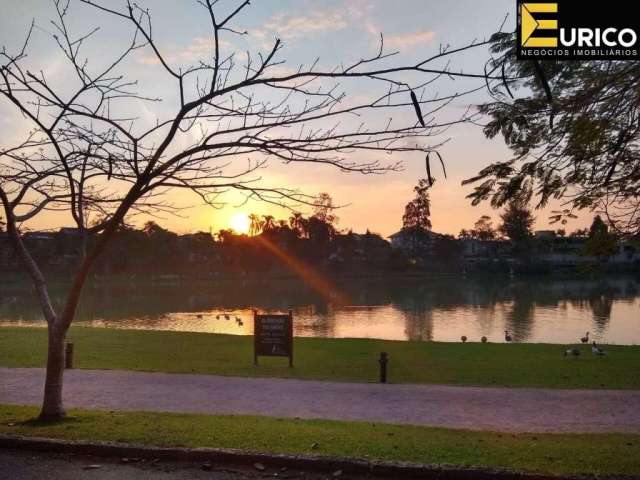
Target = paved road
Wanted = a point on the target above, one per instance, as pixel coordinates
(24, 465)
(500, 409)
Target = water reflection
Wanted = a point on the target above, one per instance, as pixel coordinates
(532, 309)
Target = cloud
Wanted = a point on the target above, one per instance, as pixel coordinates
(361, 13)
(281, 70)
(200, 48)
(291, 27)
(407, 40)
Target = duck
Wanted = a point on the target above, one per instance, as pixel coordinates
(226, 316)
(507, 337)
(484, 339)
(585, 339)
(199, 315)
(597, 350)
(574, 352)
(217, 317)
(463, 338)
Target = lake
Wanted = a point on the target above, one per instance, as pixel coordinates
(533, 309)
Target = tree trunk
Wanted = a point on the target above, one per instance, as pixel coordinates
(52, 407)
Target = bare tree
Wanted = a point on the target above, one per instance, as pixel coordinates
(85, 154)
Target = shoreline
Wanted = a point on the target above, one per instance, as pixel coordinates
(171, 279)
(85, 325)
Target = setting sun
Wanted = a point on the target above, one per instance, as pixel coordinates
(240, 222)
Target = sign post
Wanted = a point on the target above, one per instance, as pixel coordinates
(273, 336)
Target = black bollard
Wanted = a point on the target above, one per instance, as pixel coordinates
(384, 359)
(68, 356)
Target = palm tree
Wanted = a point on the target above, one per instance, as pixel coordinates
(255, 225)
(268, 223)
(299, 224)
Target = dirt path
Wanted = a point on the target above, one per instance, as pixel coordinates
(501, 409)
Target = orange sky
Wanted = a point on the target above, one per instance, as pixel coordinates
(334, 30)
(377, 202)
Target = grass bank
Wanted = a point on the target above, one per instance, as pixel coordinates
(595, 454)
(515, 365)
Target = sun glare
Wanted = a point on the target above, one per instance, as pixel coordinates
(240, 222)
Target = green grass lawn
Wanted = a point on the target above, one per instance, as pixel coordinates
(601, 454)
(515, 365)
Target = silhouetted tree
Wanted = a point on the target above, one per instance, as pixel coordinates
(517, 221)
(483, 230)
(226, 235)
(446, 252)
(579, 233)
(129, 250)
(268, 223)
(601, 243)
(417, 213)
(324, 209)
(299, 224)
(573, 128)
(163, 245)
(320, 235)
(416, 220)
(598, 226)
(255, 224)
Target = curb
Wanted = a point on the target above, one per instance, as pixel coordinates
(302, 462)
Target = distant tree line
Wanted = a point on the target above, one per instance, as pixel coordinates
(310, 241)
(600, 240)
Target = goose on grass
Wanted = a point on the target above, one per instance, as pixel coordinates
(573, 352)
(597, 350)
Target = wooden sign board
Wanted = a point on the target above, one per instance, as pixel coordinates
(273, 336)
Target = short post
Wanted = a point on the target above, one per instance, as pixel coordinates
(290, 338)
(255, 338)
(68, 356)
(384, 359)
